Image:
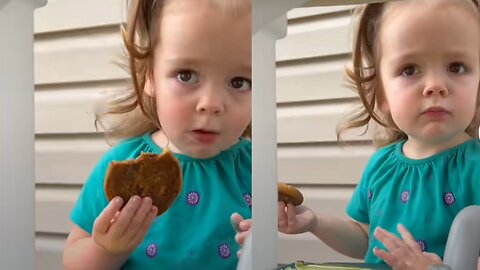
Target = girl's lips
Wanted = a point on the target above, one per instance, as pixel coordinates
(435, 112)
(435, 109)
(205, 136)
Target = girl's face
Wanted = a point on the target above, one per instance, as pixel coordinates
(202, 77)
(429, 68)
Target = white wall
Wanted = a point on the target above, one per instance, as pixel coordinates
(76, 43)
(312, 99)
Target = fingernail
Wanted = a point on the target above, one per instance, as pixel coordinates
(153, 209)
(118, 200)
(236, 226)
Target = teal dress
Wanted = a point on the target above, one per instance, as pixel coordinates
(195, 232)
(424, 195)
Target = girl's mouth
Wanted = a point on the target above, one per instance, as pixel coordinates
(205, 136)
(435, 112)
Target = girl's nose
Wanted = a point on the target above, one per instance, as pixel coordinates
(211, 102)
(436, 85)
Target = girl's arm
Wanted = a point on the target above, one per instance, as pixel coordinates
(345, 236)
(115, 235)
(82, 252)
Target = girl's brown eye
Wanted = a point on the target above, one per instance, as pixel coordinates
(187, 76)
(458, 68)
(239, 83)
(409, 71)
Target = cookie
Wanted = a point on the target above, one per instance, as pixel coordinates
(289, 194)
(156, 176)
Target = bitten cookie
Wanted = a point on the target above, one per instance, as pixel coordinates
(156, 176)
(289, 194)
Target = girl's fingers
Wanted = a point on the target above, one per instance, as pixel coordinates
(147, 223)
(245, 225)
(389, 240)
(385, 256)
(282, 216)
(103, 221)
(407, 237)
(235, 220)
(126, 215)
(139, 217)
(241, 236)
(291, 215)
(115, 217)
(432, 256)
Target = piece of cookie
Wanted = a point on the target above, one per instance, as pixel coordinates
(289, 194)
(156, 176)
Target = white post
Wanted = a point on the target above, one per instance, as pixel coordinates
(269, 25)
(17, 184)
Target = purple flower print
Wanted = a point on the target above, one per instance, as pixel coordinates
(448, 198)
(224, 251)
(193, 198)
(151, 250)
(422, 245)
(405, 196)
(248, 199)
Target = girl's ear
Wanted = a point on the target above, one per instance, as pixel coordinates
(149, 85)
(383, 105)
(382, 102)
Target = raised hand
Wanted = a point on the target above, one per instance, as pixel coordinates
(242, 228)
(119, 232)
(295, 219)
(405, 253)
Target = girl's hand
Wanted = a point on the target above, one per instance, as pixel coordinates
(293, 220)
(403, 254)
(120, 232)
(242, 227)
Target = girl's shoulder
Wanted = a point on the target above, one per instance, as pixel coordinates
(472, 150)
(385, 154)
(383, 159)
(469, 155)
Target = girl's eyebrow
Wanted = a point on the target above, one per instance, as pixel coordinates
(243, 67)
(464, 54)
(184, 61)
(247, 69)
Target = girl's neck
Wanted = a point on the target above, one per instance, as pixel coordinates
(415, 148)
(159, 138)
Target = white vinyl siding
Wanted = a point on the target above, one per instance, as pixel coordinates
(312, 98)
(76, 45)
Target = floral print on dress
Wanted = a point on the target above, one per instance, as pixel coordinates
(248, 199)
(224, 251)
(448, 198)
(422, 245)
(151, 250)
(405, 196)
(428, 220)
(193, 198)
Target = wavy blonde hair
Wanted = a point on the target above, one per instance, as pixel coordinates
(363, 78)
(132, 113)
